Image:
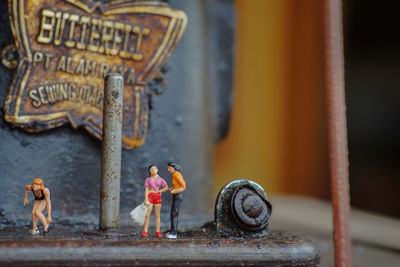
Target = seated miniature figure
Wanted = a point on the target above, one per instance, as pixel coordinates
(153, 198)
(42, 199)
(178, 186)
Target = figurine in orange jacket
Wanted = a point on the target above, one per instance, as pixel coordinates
(179, 185)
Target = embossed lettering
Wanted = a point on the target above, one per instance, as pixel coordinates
(73, 19)
(61, 18)
(92, 34)
(69, 67)
(108, 32)
(81, 67)
(42, 95)
(47, 60)
(90, 68)
(104, 69)
(51, 93)
(35, 99)
(37, 57)
(117, 38)
(61, 64)
(46, 28)
(138, 56)
(84, 22)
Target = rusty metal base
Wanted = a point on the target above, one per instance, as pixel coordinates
(122, 248)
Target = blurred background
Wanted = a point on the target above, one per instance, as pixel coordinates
(278, 135)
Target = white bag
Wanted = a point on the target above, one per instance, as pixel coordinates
(138, 214)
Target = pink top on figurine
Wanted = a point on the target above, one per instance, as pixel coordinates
(154, 184)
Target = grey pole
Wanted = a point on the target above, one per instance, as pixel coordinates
(111, 158)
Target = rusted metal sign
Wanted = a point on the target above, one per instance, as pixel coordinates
(66, 47)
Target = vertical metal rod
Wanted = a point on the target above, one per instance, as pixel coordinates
(337, 130)
(111, 150)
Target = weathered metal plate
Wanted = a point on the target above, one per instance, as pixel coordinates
(124, 248)
(65, 49)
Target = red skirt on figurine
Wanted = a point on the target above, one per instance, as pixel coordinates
(155, 198)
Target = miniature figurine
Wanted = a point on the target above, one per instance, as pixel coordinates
(42, 199)
(153, 197)
(179, 185)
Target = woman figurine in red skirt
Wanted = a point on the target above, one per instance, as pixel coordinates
(153, 198)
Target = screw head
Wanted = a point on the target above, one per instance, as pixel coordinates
(249, 209)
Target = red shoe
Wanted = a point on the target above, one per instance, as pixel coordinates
(144, 234)
(158, 234)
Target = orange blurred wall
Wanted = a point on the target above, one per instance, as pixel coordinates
(278, 134)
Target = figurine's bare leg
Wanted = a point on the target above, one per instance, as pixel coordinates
(147, 218)
(39, 214)
(157, 209)
(34, 217)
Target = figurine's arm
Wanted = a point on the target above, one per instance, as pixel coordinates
(181, 188)
(165, 188)
(46, 193)
(146, 196)
(27, 189)
(178, 190)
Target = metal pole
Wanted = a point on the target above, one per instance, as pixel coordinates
(111, 150)
(337, 131)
